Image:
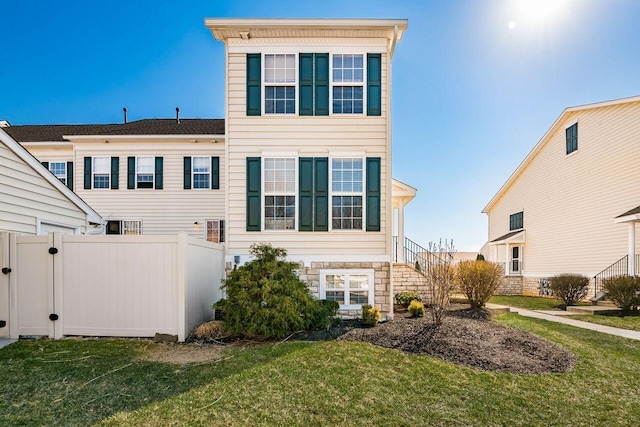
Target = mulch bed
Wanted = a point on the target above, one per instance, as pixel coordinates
(466, 337)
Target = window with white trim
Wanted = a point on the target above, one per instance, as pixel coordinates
(144, 172)
(280, 73)
(349, 288)
(215, 230)
(128, 227)
(101, 172)
(279, 193)
(347, 193)
(59, 169)
(347, 77)
(201, 172)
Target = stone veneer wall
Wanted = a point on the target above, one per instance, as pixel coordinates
(382, 281)
(407, 279)
(511, 285)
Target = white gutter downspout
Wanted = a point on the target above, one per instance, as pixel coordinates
(390, 49)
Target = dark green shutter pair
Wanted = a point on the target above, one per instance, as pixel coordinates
(313, 186)
(131, 173)
(115, 178)
(69, 173)
(314, 84)
(313, 194)
(215, 173)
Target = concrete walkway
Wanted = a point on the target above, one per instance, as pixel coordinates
(6, 341)
(559, 318)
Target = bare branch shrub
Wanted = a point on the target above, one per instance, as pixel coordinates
(478, 280)
(623, 291)
(440, 278)
(569, 288)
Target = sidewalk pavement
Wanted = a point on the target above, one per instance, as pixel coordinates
(559, 318)
(6, 341)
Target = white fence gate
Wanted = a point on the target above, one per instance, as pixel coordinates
(128, 286)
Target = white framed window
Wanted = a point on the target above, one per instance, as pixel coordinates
(279, 84)
(145, 172)
(349, 288)
(347, 83)
(280, 186)
(59, 169)
(201, 171)
(214, 230)
(128, 227)
(347, 193)
(101, 172)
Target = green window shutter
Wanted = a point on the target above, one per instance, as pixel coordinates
(87, 173)
(254, 84)
(187, 173)
(115, 169)
(46, 165)
(321, 194)
(305, 190)
(305, 106)
(254, 181)
(374, 84)
(572, 138)
(70, 175)
(159, 175)
(131, 173)
(321, 84)
(373, 193)
(215, 173)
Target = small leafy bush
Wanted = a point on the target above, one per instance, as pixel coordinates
(323, 314)
(478, 280)
(480, 257)
(405, 298)
(266, 298)
(416, 309)
(623, 291)
(370, 315)
(569, 288)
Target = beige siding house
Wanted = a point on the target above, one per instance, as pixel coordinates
(309, 148)
(571, 205)
(154, 176)
(32, 200)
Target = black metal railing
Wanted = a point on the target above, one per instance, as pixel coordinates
(420, 258)
(618, 268)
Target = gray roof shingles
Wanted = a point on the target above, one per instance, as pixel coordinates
(631, 212)
(506, 236)
(52, 133)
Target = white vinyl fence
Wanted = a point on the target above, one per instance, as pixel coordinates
(126, 286)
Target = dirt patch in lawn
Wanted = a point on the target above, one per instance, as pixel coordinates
(466, 337)
(181, 353)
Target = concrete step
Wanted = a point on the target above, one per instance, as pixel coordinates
(592, 309)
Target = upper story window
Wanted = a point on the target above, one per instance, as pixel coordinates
(347, 176)
(516, 221)
(202, 172)
(279, 194)
(572, 138)
(348, 83)
(101, 171)
(280, 83)
(59, 169)
(144, 172)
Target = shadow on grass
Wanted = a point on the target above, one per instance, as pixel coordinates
(79, 382)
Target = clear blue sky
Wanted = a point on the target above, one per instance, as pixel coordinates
(471, 96)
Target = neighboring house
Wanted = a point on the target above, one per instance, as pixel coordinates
(562, 210)
(154, 176)
(308, 117)
(32, 200)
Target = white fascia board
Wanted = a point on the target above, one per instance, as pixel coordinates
(628, 218)
(212, 137)
(28, 158)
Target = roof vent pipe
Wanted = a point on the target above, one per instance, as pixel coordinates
(177, 115)
(124, 111)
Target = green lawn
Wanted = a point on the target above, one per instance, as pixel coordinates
(626, 322)
(529, 303)
(74, 382)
